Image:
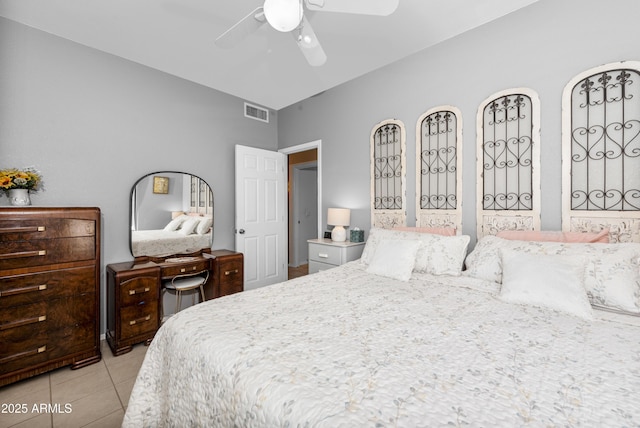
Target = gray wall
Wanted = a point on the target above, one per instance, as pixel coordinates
(93, 124)
(540, 47)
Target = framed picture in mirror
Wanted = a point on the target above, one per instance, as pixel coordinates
(161, 185)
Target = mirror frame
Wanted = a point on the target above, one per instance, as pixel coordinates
(131, 192)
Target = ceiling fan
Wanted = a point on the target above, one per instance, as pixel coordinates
(288, 16)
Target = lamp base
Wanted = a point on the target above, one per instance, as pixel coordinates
(338, 234)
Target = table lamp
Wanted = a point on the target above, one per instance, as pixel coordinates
(339, 217)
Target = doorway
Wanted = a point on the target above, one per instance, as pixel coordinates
(304, 209)
(305, 201)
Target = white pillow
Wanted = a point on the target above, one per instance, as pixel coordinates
(175, 223)
(613, 281)
(555, 282)
(394, 258)
(612, 275)
(438, 255)
(189, 226)
(442, 255)
(204, 225)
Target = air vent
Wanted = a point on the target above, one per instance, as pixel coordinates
(255, 112)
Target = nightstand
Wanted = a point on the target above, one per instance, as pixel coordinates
(326, 254)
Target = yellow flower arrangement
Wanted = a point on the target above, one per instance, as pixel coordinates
(26, 178)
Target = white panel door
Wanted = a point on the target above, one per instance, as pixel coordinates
(261, 215)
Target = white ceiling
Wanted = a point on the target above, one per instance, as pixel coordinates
(267, 68)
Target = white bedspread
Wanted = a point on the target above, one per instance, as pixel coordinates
(161, 242)
(344, 348)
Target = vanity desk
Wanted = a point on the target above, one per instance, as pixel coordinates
(134, 297)
(184, 236)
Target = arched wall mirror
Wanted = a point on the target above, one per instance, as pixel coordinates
(171, 213)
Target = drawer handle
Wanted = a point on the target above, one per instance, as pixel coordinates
(185, 269)
(23, 254)
(36, 351)
(229, 272)
(134, 322)
(23, 290)
(22, 322)
(23, 229)
(323, 255)
(132, 292)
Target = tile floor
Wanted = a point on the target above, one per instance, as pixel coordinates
(96, 395)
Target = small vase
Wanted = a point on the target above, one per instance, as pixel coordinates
(19, 197)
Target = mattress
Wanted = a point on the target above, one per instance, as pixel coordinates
(347, 348)
(162, 243)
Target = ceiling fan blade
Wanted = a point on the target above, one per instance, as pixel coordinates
(309, 44)
(241, 29)
(363, 7)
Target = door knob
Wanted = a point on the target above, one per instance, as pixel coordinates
(241, 231)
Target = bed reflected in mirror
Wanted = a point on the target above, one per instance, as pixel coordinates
(171, 214)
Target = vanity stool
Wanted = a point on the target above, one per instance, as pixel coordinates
(187, 282)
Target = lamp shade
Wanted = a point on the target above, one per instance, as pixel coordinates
(338, 216)
(283, 15)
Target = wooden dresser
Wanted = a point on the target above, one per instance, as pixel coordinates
(49, 290)
(134, 292)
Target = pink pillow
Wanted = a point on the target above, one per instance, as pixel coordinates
(550, 236)
(444, 231)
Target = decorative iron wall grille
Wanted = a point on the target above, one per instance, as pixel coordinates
(438, 155)
(387, 167)
(507, 153)
(201, 196)
(605, 142)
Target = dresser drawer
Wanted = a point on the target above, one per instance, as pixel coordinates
(139, 290)
(23, 337)
(44, 330)
(230, 270)
(21, 254)
(139, 319)
(325, 254)
(51, 315)
(29, 345)
(183, 268)
(28, 229)
(17, 352)
(37, 287)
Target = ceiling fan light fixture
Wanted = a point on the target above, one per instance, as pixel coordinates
(283, 15)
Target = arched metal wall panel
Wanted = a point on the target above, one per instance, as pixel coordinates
(508, 162)
(388, 174)
(439, 168)
(601, 151)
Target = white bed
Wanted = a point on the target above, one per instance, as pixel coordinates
(346, 347)
(166, 242)
(184, 234)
